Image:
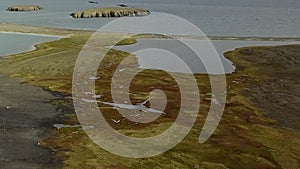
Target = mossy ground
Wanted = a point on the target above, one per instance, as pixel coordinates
(244, 139)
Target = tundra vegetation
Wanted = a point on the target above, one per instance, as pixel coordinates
(249, 134)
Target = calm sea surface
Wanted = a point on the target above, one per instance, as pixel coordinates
(146, 61)
(12, 43)
(272, 18)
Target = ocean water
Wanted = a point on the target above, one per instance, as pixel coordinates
(254, 18)
(238, 18)
(12, 43)
(166, 60)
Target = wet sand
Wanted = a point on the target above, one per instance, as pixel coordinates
(25, 119)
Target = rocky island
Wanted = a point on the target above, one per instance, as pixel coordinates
(110, 12)
(24, 8)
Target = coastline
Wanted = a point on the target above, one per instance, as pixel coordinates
(243, 124)
(33, 34)
(7, 27)
(37, 30)
(33, 46)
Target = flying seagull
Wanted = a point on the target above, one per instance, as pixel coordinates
(116, 121)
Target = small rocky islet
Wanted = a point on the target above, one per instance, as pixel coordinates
(110, 12)
(24, 8)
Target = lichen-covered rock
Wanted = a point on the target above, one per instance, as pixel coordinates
(24, 8)
(110, 12)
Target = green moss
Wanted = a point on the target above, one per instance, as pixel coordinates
(127, 41)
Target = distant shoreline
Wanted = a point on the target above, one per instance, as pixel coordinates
(32, 34)
(52, 31)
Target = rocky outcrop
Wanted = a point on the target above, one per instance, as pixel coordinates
(110, 12)
(24, 8)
